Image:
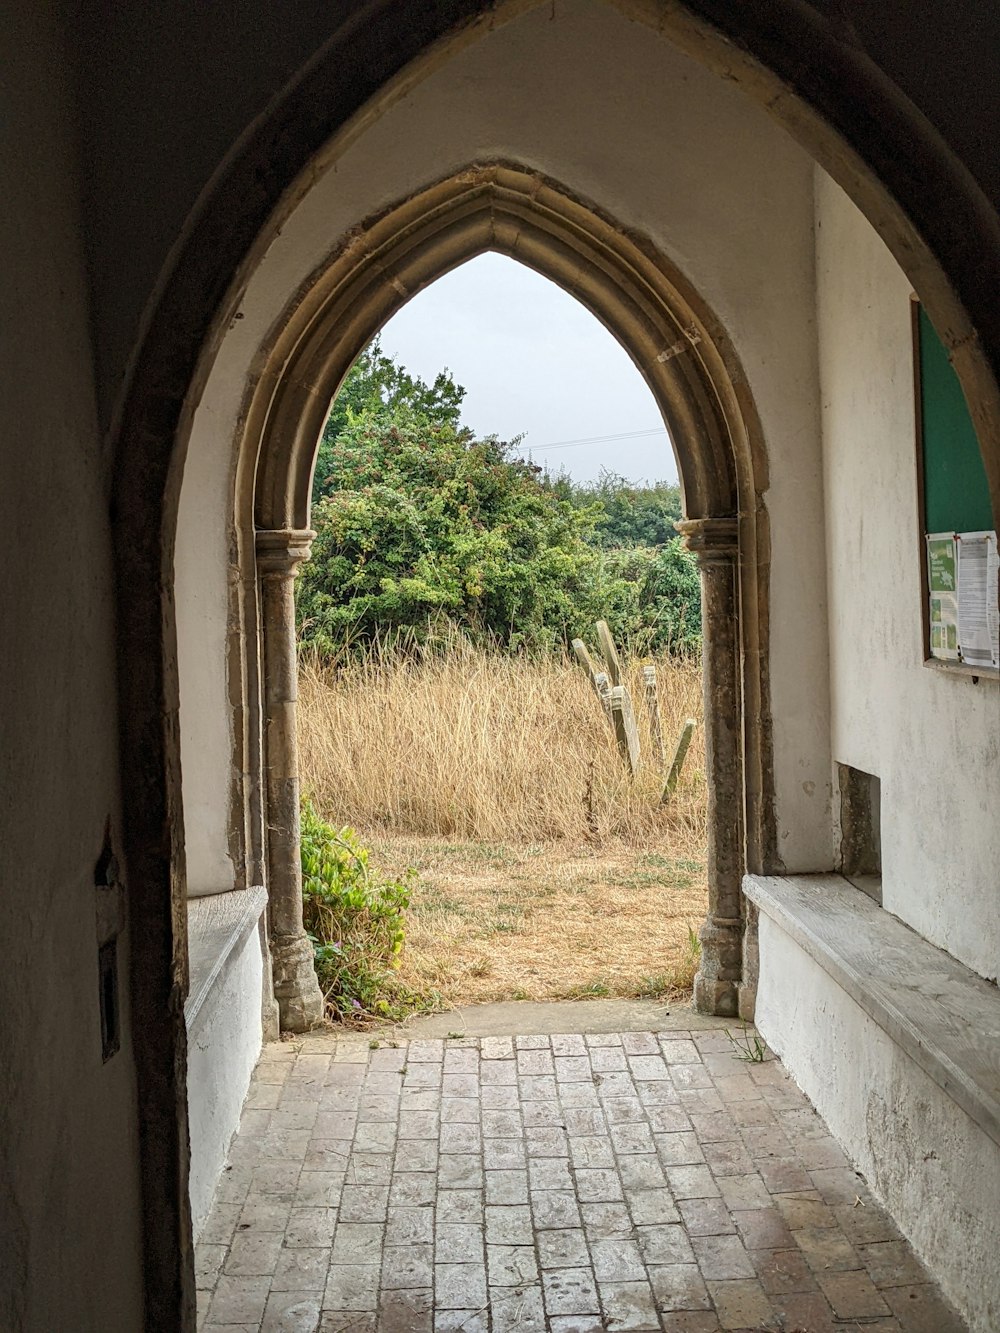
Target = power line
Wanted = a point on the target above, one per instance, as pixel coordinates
(594, 439)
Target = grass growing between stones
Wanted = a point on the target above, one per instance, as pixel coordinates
(544, 872)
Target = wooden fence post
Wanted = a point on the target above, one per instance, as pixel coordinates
(625, 729)
(653, 708)
(584, 658)
(598, 679)
(609, 652)
(603, 687)
(679, 756)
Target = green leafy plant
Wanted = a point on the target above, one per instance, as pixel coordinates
(748, 1046)
(355, 920)
(423, 529)
(655, 987)
(682, 977)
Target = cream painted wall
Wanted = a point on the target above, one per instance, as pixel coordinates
(618, 116)
(933, 741)
(69, 1193)
(208, 772)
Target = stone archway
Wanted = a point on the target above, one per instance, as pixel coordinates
(836, 101)
(690, 367)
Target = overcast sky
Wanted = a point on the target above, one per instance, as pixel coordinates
(534, 362)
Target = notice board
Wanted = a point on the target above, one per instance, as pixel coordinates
(959, 556)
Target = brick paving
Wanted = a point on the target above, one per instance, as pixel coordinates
(566, 1183)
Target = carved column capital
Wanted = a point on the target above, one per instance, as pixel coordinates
(711, 539)
(281, 550)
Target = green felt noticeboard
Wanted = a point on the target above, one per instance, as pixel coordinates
(956, 494)
(958, 541)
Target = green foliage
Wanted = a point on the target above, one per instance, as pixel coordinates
(376, 383)
(355, 920)
(748, 1046)
(629, 515)
(422, 528)
(427, 523)
(653, 597)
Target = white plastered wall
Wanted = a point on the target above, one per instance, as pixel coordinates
(933, 741)
(618, 116)
(223, 1047)
(924, 1158)
(208, 742)
(70, 1206)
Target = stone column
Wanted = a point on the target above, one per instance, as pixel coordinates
(300, 1001)
(716, 544)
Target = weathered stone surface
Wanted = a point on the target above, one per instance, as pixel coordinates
(296, 990)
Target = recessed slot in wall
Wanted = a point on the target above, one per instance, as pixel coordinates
(860, 853)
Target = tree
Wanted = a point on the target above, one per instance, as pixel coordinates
(375, 382)
(419, 523)
(632, 514)
(423, 521)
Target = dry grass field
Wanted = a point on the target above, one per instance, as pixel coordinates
(544, 870)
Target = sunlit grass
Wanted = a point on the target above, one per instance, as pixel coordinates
(473, 767)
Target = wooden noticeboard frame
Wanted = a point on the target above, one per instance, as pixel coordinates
(946, 445)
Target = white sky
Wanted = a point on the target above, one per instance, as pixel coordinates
(534, 362)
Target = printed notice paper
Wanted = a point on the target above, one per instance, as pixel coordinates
(942, 584)
(977, 599)
(963, 574)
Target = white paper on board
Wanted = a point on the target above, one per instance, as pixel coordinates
(976, 569)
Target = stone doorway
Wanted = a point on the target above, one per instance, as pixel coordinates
(691, 370)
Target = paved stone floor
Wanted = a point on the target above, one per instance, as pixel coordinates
(565, 1183)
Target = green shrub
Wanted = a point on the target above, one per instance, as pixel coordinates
(423, 523)
(420, 525)
(355, 920)
(629, 513)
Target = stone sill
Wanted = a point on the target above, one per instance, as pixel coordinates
(944, 1016)
(218, 927)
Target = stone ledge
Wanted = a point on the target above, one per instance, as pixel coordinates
(945, 1017)
(218, 927)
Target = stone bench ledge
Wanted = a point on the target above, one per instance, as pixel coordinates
(218, 927)
(944, 1016)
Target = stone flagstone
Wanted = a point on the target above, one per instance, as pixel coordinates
(564, 1184)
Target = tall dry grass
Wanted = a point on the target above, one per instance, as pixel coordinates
(475, 744)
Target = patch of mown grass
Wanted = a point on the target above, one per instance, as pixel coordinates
(543, 927)
(590, 990)
(646, 879)
(433, 901)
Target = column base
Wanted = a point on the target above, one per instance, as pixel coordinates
(300, 1000)
(751, 965)
(270, 1020)
(747, 1002)
(717, 984)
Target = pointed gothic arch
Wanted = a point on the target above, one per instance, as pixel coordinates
(686, 359)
